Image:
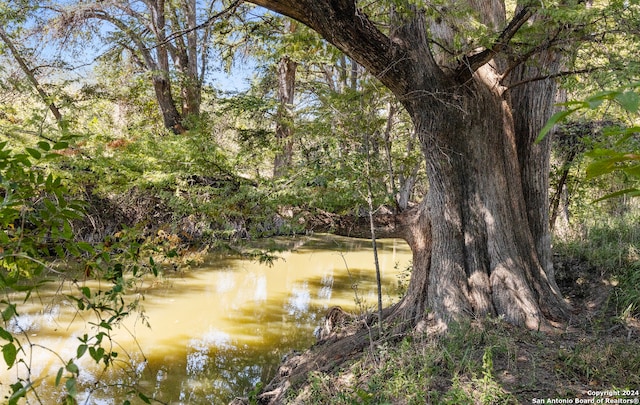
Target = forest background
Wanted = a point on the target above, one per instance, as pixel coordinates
(124, 146)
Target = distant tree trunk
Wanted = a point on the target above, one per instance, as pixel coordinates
(170, 116)
(31, 77)
(156, 59)
(284, 124)
(391, 187)
(185, 56)
(161, 83)
(557, 195)
(407, 185)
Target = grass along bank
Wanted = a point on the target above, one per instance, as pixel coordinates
(488, 361)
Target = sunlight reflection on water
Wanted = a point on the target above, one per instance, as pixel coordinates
(216, 330)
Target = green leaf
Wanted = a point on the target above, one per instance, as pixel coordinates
(601, 152)
(632, 192)
(86, 291)
(154, 268)
(60, 145)
(72, 367)
(82, 349)
(95, 354)
(5, 334)
(19, 391)
(632, 170)
(555, 118)
(9, 352)
(45, 146)
(600, 167)
(144, 398)
(59, 376)
(34, 153)
(105, 325)
(99, 354)
(24, 159)
(629, 100)
(9, 312)
(71, 387)
(86, 247)
(597, 99)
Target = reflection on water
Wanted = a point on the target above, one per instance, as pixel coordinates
(218, 330)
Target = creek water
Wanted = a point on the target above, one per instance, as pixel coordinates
(213, 332)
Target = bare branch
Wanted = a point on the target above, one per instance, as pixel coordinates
(470, 64)
(205, 24)
(553, 76)
(31, 77)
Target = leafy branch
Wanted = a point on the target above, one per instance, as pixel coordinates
(623, 156)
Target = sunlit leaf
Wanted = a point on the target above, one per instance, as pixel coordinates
(632, 192)
(34, 153)
(555, 118)
(629, 100)
(600, 167)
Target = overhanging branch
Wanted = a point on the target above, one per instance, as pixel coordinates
(470, 64)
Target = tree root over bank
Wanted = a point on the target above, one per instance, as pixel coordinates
(342, 339)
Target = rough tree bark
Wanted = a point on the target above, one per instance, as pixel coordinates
(477, 239)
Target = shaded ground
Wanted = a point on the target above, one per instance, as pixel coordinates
(484, 361)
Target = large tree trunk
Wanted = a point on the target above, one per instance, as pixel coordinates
(533, 102)
(483, 258)
(478, 242)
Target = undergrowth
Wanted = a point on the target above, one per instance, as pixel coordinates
(611, 248)
(480, 362)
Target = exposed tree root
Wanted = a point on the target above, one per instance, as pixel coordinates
(342, 338)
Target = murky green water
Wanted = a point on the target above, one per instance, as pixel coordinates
(217, 330)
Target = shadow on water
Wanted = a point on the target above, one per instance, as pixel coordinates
(220, 329)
